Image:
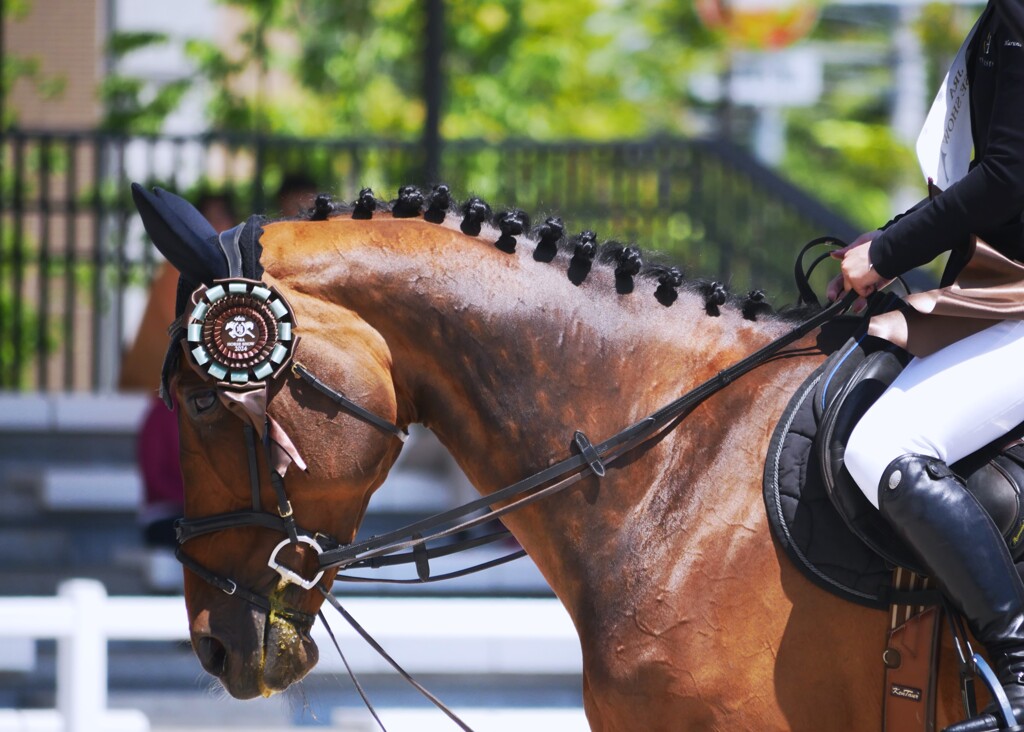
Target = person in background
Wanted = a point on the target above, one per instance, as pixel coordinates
(296, 193)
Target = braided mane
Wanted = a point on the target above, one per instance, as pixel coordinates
(550, 238)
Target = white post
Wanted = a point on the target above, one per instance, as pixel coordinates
(82, 659)
(770, 135)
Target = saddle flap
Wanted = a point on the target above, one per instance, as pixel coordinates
(861, 389)
(823, 522)
(835, 374)
(994, 474)
(997, 484)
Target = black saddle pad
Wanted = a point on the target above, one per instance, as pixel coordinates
(800, 512)
(817, 513)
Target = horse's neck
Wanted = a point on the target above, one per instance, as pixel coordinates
(504, 358)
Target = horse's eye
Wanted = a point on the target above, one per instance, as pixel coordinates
(203, 401)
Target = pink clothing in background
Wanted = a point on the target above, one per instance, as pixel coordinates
(164, 490)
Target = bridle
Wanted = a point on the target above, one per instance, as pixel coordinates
(240, 336)
(242, 370)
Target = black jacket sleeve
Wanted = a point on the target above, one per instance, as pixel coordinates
(909, 211)
(990, 195)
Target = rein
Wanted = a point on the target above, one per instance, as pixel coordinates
(590, 459)
(375, 551)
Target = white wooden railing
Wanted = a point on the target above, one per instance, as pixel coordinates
(476, 636)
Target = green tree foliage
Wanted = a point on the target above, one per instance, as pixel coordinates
(851, 165)
(585, 69)
(130, 104)
(942, 27)
(574, 69)
(844, 148)
(578, 69)
(235, 105)
(513, 68)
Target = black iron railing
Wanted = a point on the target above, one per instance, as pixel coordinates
(74, 261)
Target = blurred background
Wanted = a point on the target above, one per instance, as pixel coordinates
(724, 132)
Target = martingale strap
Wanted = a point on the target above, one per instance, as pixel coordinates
(575, 468)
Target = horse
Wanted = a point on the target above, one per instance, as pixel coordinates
(505, 341)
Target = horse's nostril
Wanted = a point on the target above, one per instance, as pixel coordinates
(212, 655)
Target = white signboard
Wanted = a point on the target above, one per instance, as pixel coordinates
(788, 78)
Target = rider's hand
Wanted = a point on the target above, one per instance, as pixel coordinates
(858, 273)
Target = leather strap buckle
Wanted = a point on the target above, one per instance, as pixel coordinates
(586, 449)
(421, 558)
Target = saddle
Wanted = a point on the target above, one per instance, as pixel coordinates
(818, 515)
(839, 541)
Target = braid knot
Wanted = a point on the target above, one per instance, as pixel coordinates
(408, 204)
(585, 246)
(322, 207)
(438, 202)
(365, 205)
(629, 262)
(475, 212)
(715, 296)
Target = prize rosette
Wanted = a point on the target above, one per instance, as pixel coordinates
(240, 331)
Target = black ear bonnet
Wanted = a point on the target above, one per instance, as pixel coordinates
(199, 254)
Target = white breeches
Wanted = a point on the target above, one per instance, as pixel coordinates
(946, 405)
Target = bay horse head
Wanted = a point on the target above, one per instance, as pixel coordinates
(246, 422)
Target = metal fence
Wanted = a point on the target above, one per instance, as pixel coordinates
(75, 264)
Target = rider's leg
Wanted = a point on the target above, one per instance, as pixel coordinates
(958, 544)
(940, 409)
(946, 405)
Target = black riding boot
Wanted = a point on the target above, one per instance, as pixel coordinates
(956, 541)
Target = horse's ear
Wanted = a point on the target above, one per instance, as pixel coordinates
(181, 234)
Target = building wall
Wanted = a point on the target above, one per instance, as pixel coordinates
(180, 20)
(67, 39)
